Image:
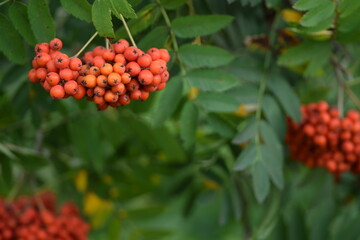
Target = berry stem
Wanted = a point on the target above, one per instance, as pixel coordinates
(85, 45)
(127, 30)
(173, 38)
(107, 43)
(4, 2)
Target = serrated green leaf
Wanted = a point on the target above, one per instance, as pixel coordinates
(101, 17)
(272, 154)
(78, 8)
(172, 4)
(217, 102)
(212, 79)
(199, 25)
(122, 7)
(221, 126)
(304, 5)
(19, 17)
(318, 14)
(196, 56)
(169, 100)
(349, 23)
(10, 41)
(156, 38)
(41, 21)
(286, 96)
(274, 115)
(260, 178)
(247, 133)
(188, 124)
(245, 158)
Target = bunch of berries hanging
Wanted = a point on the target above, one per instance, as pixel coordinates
(323, 139)
(36, 217)
(108, 77)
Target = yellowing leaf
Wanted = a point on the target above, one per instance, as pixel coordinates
(81, 180)
(290, 15)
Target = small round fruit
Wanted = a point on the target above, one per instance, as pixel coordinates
(133, 68)
(75, 64)
(114, 79)
(56, 44)
(144, 60)
(131, 53)
(80, 93)
(110, 97)
(145, 77)
(52, 78)
(71, 87)
(57, 92)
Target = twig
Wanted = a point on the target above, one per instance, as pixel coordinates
(127, 30)
(86, 44)
(4, 2)
(107, 43)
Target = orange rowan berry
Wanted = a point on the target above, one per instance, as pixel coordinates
(102, 107)
(145, 77)
(125, 78)
(144, 60)
(118, 89)
(98, 51)
(110, 96)
(42, 59)
(66, 74)
(114, 79)
(133, 85)
(106, 69)
(119, 68)
(164, 54)
(144, 95)
(165, 77)
(46, 86)
(309, 130)
(119, 58)
(90, 92)
(353, 115)
(157, 79)
(98, 61)
(41, 74)
(89, 81)
(154, 53)
(99, 100)
(151, 88)
(108, 55)
(42, 47)
(161, 86)
(135, 95)
(348, 146)
(124, 99)
(32, 76)
(57, 92)
(94, 70)
(101, 81)
(322, 106)
(50, 66)
(157, 67)
(61, 61)
(34, 63)
(99, 91)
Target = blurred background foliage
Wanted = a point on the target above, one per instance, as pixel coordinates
(204, 158)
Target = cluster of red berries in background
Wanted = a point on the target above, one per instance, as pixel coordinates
(36, 218)
(323, 139)
(108, 77)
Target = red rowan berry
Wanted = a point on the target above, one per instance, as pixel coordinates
(157, 67)
(94, 70)
(353, 115)
(66, 74)
(346, 124)
(42, 59)
(46, 86)
(157, 79)
(133, 69)
(135, 95)
(133, 85)
(80, 93)
(164, 55)
(71, 87)
(331, 166)
(108, 55)
(41, 74)
(123, 42)
(61, 61)
(124, 99)
(75, 64)
(84, 70)
(32, 76)
(98, 51)
(34, 64)
(90, 92)
(110, 96)
(165, 77)
(144, 95)
(119, 58)
(151, 88)
(102, 107)
(75, 74)
(309, 130)
(52, 78)
(57, 92)
(154, 53)
(50, 66)
(56, 44)
(145, 77)
(42, 47)
(99, 100)
(144, 60)
(131, 53)
(98, 61)
(99, 91)
(161, 86)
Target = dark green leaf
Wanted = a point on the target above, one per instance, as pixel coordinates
(246, 157)
(217, 102)
(172, 4)
(122, 7)
(19, 17)
(41, 20)
(78, 8)
(101, 17)
(318, 14)
(260, 178)
(10, 41)
(288, 99)
(188, 124)
(247, 133)
(196, 56)
(156, 38)
(221, 126)
(212, 79)
(199, 25)
(307, 4)
(169, 100)
(274, 115)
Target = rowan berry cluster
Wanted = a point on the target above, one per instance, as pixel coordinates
(108, 77)
(323, 139)
(36, 218)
